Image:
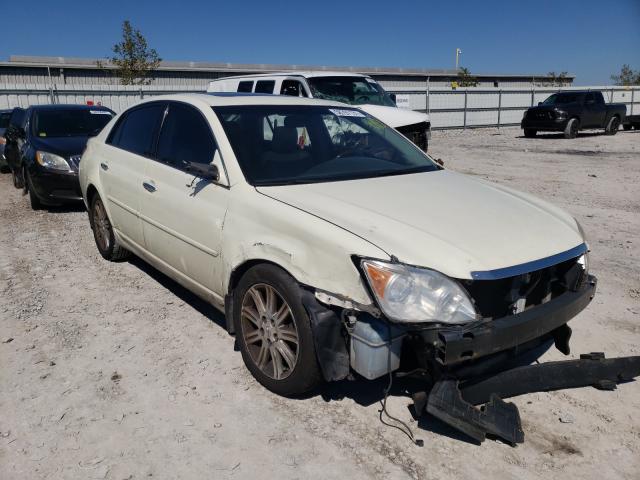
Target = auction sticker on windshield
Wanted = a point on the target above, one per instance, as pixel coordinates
(346, 113)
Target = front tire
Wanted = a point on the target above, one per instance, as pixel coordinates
(530, 132)
(18, 181)
(107, 244)
(34, 201)
(273, 331)
(571, 130)
(612, 126)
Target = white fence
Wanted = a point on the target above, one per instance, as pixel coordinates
(473, 107)
(462, 108)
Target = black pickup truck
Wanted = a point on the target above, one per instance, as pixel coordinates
(571, 111)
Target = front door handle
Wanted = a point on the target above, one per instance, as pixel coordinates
(104, 166)
(149, 187)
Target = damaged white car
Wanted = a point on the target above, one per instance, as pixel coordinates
(333, 244)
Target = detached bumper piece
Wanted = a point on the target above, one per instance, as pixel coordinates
(453, 401)
(497, 418)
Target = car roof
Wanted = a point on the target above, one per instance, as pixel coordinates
(236, 99)
(300, 73)
(69, 106)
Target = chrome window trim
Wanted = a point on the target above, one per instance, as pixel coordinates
(532, 266)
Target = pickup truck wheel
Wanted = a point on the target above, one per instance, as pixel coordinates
(107, 244)
(530, 132)
(571, 130)
(273, 331)
(612, 126)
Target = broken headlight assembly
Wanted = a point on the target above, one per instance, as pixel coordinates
(409, 294)
(584, 259)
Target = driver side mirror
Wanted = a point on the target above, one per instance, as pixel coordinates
(539, 103)
(393, 97)
(206, 171)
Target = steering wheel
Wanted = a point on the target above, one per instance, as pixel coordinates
(363, 98)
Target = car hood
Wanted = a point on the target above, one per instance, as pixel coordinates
(443, 220)
(63, 146)
(393, 116)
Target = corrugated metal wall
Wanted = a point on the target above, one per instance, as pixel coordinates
(462, 108)
(477, 107)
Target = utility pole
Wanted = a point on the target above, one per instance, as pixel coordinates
(458, 53)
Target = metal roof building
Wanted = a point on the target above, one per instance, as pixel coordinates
(67, 71)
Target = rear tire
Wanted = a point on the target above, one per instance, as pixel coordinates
(530, 132)
(571, 130)
(612, 126)
(274, 333)
(107, 244)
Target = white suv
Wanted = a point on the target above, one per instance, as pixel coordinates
(331, 242)
(351, 88)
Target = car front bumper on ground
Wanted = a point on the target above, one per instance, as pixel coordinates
(56, 187)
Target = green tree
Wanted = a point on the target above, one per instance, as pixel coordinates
(557, 79)
(627, 76)
(134, 60)
(465, 79)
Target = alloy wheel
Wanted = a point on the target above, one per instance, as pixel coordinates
(101, 226)
(269, 331)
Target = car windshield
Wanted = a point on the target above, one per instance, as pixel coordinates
(562, 98)
(70, 123)
(4, 119)
(351, 90)
(282, 145)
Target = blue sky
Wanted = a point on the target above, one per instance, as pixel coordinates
(588, 38)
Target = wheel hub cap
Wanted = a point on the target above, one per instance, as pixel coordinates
(269, 331)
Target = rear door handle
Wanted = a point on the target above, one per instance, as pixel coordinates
(104, 166)
(149, 187)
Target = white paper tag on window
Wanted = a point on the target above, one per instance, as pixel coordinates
(100, 112)
(346, 113)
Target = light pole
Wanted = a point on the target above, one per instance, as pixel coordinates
(458, 53)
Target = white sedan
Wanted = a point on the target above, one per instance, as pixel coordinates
(331, 242)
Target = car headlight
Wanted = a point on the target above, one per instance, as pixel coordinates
(561, 114)
(584, 259)
(409, 294)
(52, 161)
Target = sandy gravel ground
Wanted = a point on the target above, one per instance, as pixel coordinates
(115, 372)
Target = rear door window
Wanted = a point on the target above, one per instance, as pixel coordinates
(185, 137)
(4, 119)
(18, 118)
(265, 86)
(137, 132)
(292, 88)
(245, 87)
